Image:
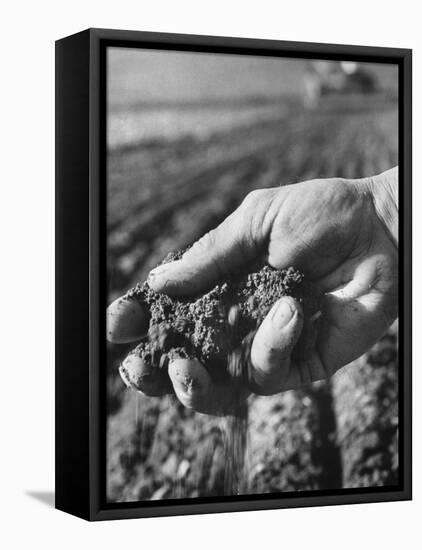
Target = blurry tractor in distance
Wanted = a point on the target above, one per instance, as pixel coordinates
(330, 77)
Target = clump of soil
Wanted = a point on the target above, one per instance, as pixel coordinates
(212, 326)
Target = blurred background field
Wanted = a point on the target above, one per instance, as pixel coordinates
(189, 135)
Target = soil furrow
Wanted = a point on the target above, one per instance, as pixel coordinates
(365, 403)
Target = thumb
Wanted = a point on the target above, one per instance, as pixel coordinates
(224, 249)
(273, 344)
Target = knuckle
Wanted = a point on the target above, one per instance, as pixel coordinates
(204, 244)
(249, 219)
(256, 213)
(253, 199)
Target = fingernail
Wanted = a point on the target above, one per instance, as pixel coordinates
(156, 272)
(127, 320)
(283, 313)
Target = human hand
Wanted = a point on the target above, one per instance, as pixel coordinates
(342, 234)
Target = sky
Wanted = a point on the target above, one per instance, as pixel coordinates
(148, 76)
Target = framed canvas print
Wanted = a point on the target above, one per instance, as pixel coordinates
(233, 274)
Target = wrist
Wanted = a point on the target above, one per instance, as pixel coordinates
(383, 190)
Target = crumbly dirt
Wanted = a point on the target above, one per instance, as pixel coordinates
(211, 326)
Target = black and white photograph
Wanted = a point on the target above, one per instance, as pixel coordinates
(208, 252)
(252, 259)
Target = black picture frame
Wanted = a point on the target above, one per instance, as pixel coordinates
(80, 271)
